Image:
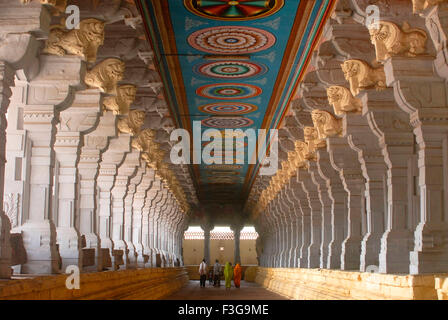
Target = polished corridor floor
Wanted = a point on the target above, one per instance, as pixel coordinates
(247, 291)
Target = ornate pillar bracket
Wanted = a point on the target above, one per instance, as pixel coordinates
(435, 14)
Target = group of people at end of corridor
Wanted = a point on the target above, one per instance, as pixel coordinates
(216, 273)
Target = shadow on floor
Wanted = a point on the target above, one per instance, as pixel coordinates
(247, 291)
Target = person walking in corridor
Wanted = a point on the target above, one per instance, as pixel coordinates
(237, 275)
(217, 274)
(228, 273)
(203, 273)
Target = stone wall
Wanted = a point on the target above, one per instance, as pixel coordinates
(308, 284)
(147, 284)
(193, 251)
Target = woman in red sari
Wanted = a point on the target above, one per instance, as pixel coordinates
(237, 275)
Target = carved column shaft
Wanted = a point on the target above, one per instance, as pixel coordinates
(6, 81)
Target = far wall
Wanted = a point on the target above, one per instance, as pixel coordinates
(193, 251)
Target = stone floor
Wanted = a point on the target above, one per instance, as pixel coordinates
(247, 291)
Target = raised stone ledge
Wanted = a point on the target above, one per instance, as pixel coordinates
(323, 284)
(148, 284)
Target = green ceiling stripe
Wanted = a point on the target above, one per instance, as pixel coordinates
(158, 56)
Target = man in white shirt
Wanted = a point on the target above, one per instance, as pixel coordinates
(203, 272)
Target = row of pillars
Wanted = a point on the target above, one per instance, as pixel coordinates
(236, 235)
(364, 151)
(84, 184)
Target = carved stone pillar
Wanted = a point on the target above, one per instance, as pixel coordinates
(95, 143)
(111, 160)
(344, 161)
(286, 208)
(154, 209)
(207, 228)
(365, 143)
(396, 140)
(338, 211)
(274, 212)
(139, 237)
(273, 236)
(125, 172)
(48, 94)
(236, 235)
(305, 225)
(424, 98)
(153, 197)
(129, 219)
(435, 14)
(411, 70)
(6, 81)
(294, 224)
(80, 117)
(327, 204)
(313, 249)
(292, 231)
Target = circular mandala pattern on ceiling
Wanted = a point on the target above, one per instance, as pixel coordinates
(228, 108)
(234, 10)
(231, 40)
(227, 91)
(230, 69)
(227, 122)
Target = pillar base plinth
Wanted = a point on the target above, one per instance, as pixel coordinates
(370, 250)
(395, 249)
(39, 239)
(350, 254)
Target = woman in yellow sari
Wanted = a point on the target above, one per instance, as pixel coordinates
(228, 273)
(237, 275)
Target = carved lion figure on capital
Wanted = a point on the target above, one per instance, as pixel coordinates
(342, 100)
(302, 151)
(58, 5)
(121, 103)
(419, 5)
(82, 42)
(326, 124)
(389, 40)
(143, 140)
(311, 136)
(132, 123)
(105, 75)
(361, 76)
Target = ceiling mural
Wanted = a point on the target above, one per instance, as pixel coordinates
(233, 10)
(228, 108)
(230, 69)
(231, 65)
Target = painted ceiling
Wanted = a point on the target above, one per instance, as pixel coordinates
(231, 65)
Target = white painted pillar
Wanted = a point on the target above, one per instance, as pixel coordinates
(6, 81)
(95, 143)
(41, 112)
(111, 160)
(80, 117)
